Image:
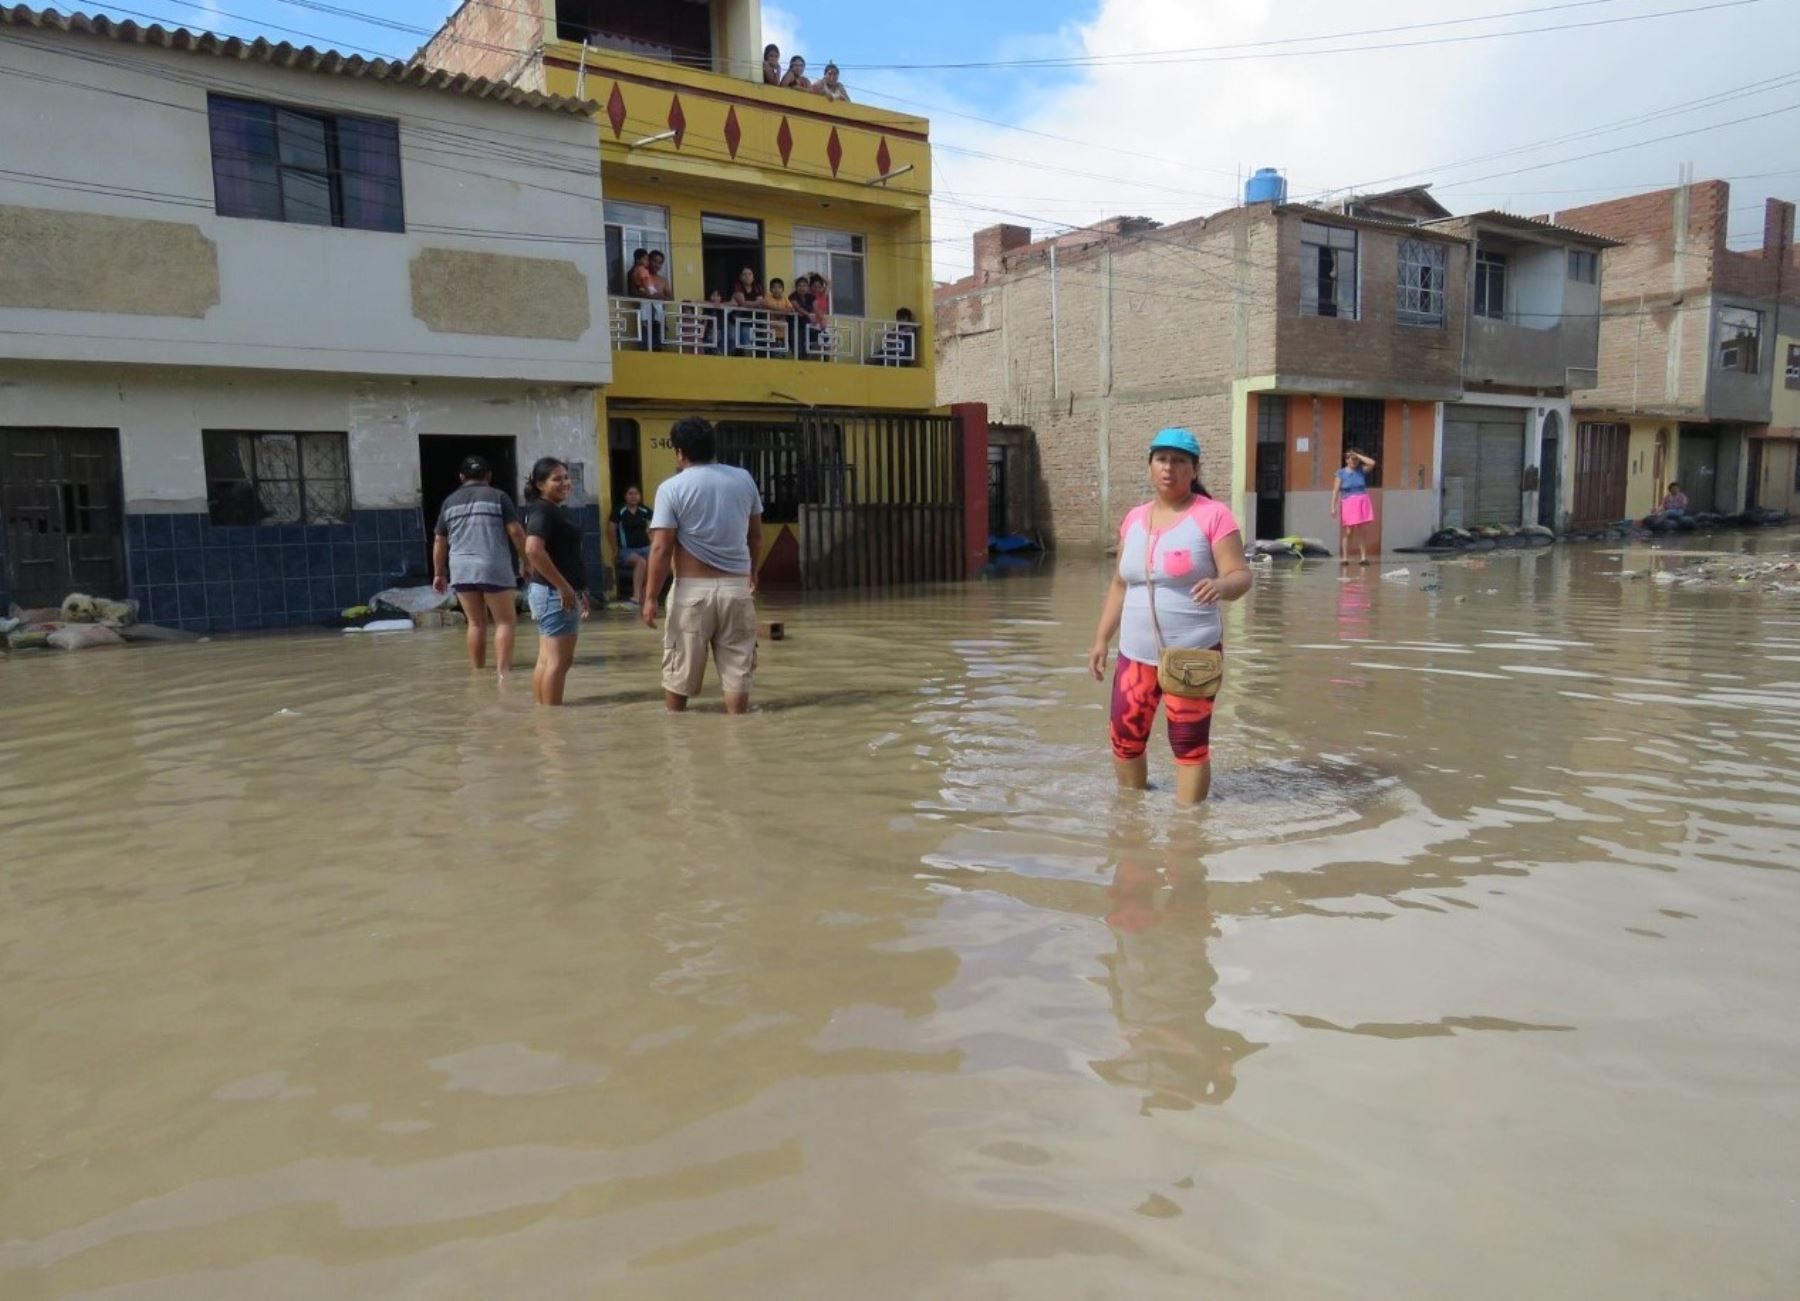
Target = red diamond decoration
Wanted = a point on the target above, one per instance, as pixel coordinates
(784, 141)
(834, 151)
(615, 110)
(883, 159)
(677, 120)
(734, 135)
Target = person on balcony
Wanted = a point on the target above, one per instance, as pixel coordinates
(771, 65)
(796, 78)
(635, 281)
(746, 296)
(781, 312)
(653, 286)
(900, 344)
(830, 87)
(812, 303)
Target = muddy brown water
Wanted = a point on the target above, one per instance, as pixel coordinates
(328, 970)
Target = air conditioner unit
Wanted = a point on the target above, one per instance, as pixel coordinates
(1581, 377)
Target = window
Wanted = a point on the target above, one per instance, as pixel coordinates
(839, 258)
(261, 478)
(629, 227)
(1584, 266)
(1422, 270)
(1740, 339)
(1327, 270)
(1362, 432)
(678, 31)
(1490, 286)
(1793, 365)
(313, 169)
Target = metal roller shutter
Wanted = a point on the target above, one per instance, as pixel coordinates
(1484, 465)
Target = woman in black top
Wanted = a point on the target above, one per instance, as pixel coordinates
(558, 591)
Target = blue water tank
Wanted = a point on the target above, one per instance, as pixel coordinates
(1266, 185)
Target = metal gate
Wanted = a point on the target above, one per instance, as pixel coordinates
(62, 509)
(1699, 459)
(1601, 452)
(876, 498)
(1484, 465)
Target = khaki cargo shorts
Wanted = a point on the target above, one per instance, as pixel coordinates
(716, 614)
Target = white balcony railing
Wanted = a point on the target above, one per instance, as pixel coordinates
(721, 330)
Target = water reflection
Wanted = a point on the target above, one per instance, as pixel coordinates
(331, 971)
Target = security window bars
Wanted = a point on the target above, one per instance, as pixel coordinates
(1327, 270)
(1584, 266)
(1490, 286)
(1793, 365)
(264, 478)
(838, 256)
(1422, 274)
(1740, 339)
(313, 169)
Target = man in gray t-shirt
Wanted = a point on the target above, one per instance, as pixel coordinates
(474, 549)
(707, 530)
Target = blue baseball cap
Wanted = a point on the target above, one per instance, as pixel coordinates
(1176, 440)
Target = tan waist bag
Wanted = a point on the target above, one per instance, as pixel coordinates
(1191, 673)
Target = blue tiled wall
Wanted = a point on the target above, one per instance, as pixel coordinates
(187, 572)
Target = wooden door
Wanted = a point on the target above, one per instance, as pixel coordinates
(62, 508)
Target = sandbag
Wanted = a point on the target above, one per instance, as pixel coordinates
(83, 636)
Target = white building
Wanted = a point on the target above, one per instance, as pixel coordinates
(257, 302)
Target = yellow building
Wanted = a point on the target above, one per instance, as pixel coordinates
(737, 182)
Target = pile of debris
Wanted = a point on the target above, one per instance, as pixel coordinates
(1289, 548)
(1775, 574)
(82, 622)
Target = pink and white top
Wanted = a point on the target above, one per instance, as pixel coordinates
(1179, 556)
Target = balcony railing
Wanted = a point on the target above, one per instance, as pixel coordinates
(721, 330)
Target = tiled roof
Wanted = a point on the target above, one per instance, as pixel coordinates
(284, 55)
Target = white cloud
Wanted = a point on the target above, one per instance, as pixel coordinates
(782, 27)
(1179, 134)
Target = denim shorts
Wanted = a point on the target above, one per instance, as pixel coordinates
(627, 552)
(552, 619)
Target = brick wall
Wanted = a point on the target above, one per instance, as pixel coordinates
(1375, 345)
(1152, 327)
(498, 42)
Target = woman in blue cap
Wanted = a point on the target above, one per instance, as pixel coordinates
(1180, 554)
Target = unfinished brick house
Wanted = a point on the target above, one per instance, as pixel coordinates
(1689, 358)
(1279, 333)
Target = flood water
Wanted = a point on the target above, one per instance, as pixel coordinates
(330, 970)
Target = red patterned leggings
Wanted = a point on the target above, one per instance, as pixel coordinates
(1135, 695)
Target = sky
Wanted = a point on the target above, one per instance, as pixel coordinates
(1143, 112)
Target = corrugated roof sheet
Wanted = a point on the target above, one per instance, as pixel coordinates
(283, 55)
(1529, 223)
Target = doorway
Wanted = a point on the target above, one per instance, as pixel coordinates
(441, 455)
(1753, 484)
(1271, 466)
(62, 508)
(1698, 457)
(727, 246)
(1549, 470)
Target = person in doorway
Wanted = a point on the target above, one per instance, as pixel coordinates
(656, 284)
(476, 550)
(1352, 508)
(707, 530)
(796, 78)
(558, 592)
(1180, 554)
(631, 523)
(1675, 502)
(830, 87)
(771, 65)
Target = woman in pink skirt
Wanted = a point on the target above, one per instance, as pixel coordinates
(1351, 505)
